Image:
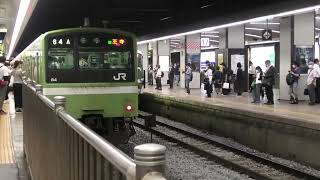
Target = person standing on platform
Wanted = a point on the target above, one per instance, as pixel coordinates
(3, 85)
(317, 68)
(257, 85)
(158, 78)
(252, 71)
(176, 74)
(189, 77)
(7, 76)
(17, 85)
(171, 77)
(217, 80)
(269, 81)
(293, 88)
(239, 82)
(150, 75)
(311, 82)
(208, 79)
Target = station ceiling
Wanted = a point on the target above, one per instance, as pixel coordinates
(148, 18)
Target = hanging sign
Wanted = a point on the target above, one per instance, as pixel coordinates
(267, 35)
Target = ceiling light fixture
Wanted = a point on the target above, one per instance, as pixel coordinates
(262, 42)
(3, 30)
(262, 23)
(166, 18)
(214, 40)
(252, 35)
(259, 29)
(205, 6)
(318, 29)
(23, 7)
(262, 18)
(207, 35)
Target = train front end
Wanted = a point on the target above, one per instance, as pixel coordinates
(95, 69)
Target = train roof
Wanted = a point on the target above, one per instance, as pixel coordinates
(89, 29)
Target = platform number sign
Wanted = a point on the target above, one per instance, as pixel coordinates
(205, 42)
(60, 42)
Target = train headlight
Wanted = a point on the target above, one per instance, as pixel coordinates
(129, 108)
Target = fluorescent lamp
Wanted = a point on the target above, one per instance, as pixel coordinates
(166, 18)
(252, 35)
(259, 29)
(318, 29)
(264, 23)
(262, 18)
(206, 35)
(174, 43)
(262, 42)
(214, 40)
(211, 32)
(211, 47)
(256, 29)
(23, 7)
(3, 30)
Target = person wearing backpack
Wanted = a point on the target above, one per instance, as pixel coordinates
(189, 77)
(292, 81)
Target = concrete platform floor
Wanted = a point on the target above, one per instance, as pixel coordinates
(301, 113)
(12, 162)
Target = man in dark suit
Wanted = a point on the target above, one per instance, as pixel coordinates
(269, 81)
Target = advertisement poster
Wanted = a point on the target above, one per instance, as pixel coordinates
(207, 56)
(164, 63)
(194, 59)
(220, 60)
(303, 56)
(235, 59)
(258, 56)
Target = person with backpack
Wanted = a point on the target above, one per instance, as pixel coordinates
(217, 80)
(159, 75)
(292, 80)
(189, 77)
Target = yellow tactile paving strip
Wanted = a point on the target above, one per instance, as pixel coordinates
(6, 149)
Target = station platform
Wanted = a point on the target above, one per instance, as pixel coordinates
(298, 114)
(12, 163)
(290, 131)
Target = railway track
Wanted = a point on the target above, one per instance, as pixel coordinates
(236, 159)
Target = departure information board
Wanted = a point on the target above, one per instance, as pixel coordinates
(103, 40)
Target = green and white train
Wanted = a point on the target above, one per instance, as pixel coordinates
(95, 69)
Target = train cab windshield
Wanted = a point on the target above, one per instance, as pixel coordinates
(78, 58)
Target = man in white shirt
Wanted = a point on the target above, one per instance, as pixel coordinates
(252, 71)
(158, 78)
(313, 74)
(317, 90)
(3, 87)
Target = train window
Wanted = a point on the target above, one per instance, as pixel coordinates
(60, 58)
(95, 59)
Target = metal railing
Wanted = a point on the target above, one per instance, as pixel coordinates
(59, 147)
